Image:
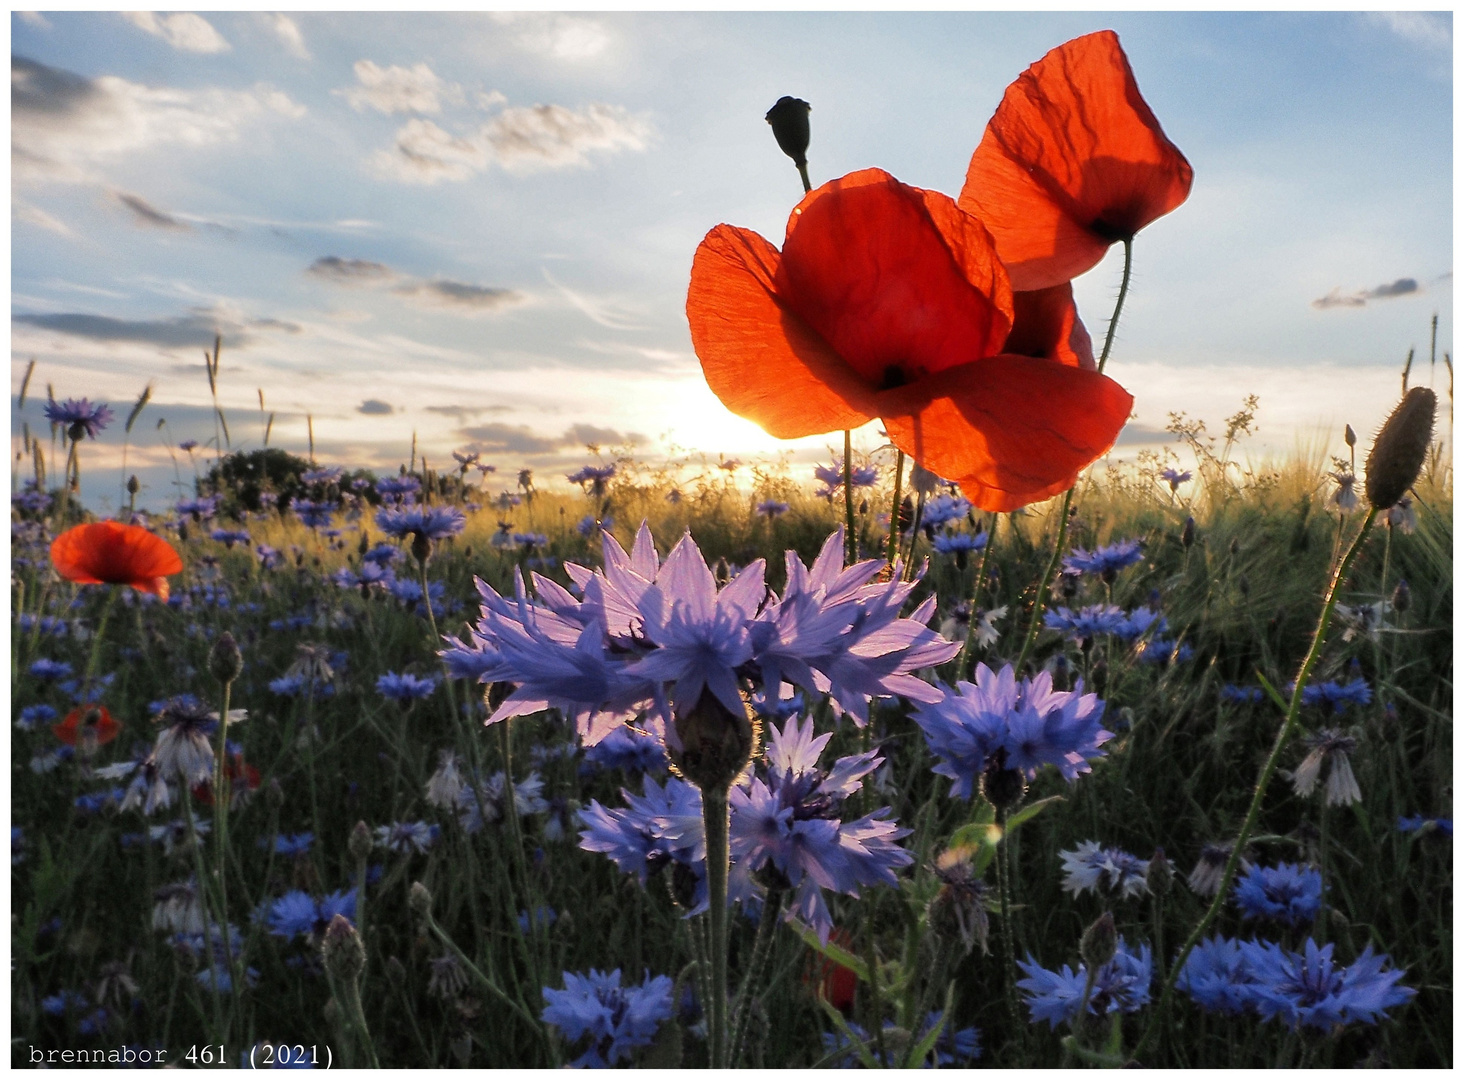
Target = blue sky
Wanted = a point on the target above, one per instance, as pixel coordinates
(479, 228)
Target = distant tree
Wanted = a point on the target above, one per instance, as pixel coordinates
(240, 477)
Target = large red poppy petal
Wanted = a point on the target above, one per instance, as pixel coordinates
(899, 281)
(1073, 160)
(1047, 325)
(106, 552)
(760, 359)
(1011, 429)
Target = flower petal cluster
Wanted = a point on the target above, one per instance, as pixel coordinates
(404, 687)
(299, 914)
(1106, 562)
(107, 553)
(1029, 725)
(1106, 871)
(79, 416)
(1286, 893)
(1057, 996)
(952, 1047)
(429, 522)
(616, 1019)
(651, 634)
(1336, 694)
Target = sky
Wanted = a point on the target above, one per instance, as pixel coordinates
(477, 229)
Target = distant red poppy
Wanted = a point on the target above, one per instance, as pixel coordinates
(888, 301)
(87, 727)
(1072, 161)
(244, 779)
(835, 983)
(109, 553)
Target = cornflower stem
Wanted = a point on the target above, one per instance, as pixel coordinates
(96, 649)
(963, 664)
(436, 637)
(914, 534)
(715, 817)
(894, 545)
(1008, 939)
(1288, 726)
(1041, 599)
(221, 829)
(350, 992)
(762, 946)
(73, 464)
(874, 1018)
(515, 830)
(207, 897)
(851, 542)
(491, 986)
(1320, 927)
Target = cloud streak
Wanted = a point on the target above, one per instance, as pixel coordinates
(195, 329)
(147, 215)
(184, 30)
(497, 438)
(460, 297)
(396, 89)
(1337, 298)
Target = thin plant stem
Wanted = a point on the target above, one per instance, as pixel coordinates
(1008, 938)
(715, 816)
(851, 542)
(1288, 726)
(762, 945)
(96, 650)
(963, 663)
(894, 545)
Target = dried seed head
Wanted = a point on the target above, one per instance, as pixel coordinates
(789, 120)
(132, 485)
(1099, 942)
(342, 950)
(359, 845)
(1400, 447)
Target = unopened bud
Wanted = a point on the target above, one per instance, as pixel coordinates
(225, 661)
(789, 120)
(716, 744)
(1234, 546)
(183, 532)
(342, 950)
(274, 794)
(1187, 534)
(332, 1012)
(420, 900)
(1350, 435)
(359, 845)
(365, 543)
(421, 547)
(1400, 447)
(1160, 874)
(1099, 942)
(1002, 787)
(132, 485)
(1402, 596)
(396, 971)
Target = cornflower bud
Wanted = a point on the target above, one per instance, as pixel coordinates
(225, 661)
(132, 485)
(365, 545)
(359, 845)
(274, 794)
(789, 120)
(1350, 436)
(1099, 942)
(1002, 787)
(183, 532)
(1160, 874)
(421, 547)
(342, 950)
(420, 900)
(716, 744)
(1234, 546)
(1402, 596)
(1187, 534)
(1400, 447)
(396, 971)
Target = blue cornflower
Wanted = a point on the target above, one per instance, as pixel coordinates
(1241, 695)
(403, 837)
(790, 816)
(397, 488)
(287, 685)
(1217, 976)
(298, 844)
(1307, 988)
(1108, 871)
(650, 831)
(1164, 651)
(770, 508)
(322, 475)
(958, 543)
(188, 445)
(1083, 626)
(79, 416)
(544, 916)
(1106, 562)
(97, 801)
(17, 845)
(628, 749)
(1287, 893)
(230, 537)
(590, 526)
(269, 557)
(617, 1019)
(314, 515)
(382, 555)
(47, 625)
(1175, 478)
(404, 687)
(198, 509)
(1338, 695)
(37, 502)
(592, 475)
(530, 539)
(425, 522)
(1423, 824)
(1019, 727)
(1141, 621)
(93, 1023)
(952, 1048)
(65, 1001)
(50, 669)
(297, 913)
(942, 509)
(1056, 996)
(34, 716)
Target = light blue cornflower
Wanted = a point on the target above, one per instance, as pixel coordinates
(1426, 824)
(629, 749)
(646, 834)
(426, 522)
(1164, 651)
(590, 526)
(404, 687)
(1140, 621)
(269, 557)
(530, 539)
(1217, 977)
(397, 488)
(1106, 871)
(1287, 893)
(770, 508)
(958, 543)
(314, 515)
(943, 509)
(1106, 562)
(35, 716)
(298, 913)
(324, 475)
(1020, 727)
(616, 1019)
(79, 416)
(1308, 989)
(230, 537)
(382, 555)
(952, 1048)
(1056, 996)
(50, 669)
(1241, 695)
(593, 475)
(1085, 625)
(1175, 478)
(200, 509)
(297, 844)
(1338, 695)
(46, 625)
(404, 837)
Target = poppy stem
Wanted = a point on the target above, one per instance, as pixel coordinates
(1041, 598)
(1128, 265)
(851, 542)
(895, 509)
(715, 819)
(1288, 726)
(91, 662)
(803, 175)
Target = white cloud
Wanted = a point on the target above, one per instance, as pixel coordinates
(288, 31)
(398, 89)
(63, 126)
(34, 215)
(562, 37)
(35, 18)
(184, 30)
(1428, 29)
(518, 140)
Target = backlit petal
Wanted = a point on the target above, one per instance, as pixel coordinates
(899, 281)
(1073, 160)
(1047, 325)
(107, 552)
(1010, 429)
(760, 359)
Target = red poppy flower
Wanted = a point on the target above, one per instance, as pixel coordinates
(88, 727)
(108, 553)
(1072, 161)
(244, 779)
(835, 983)
(888, 301)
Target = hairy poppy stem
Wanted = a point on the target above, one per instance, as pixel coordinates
(1128, 265)
(715, 817)
(1222, 893)
(850, 540)
(894, 545)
